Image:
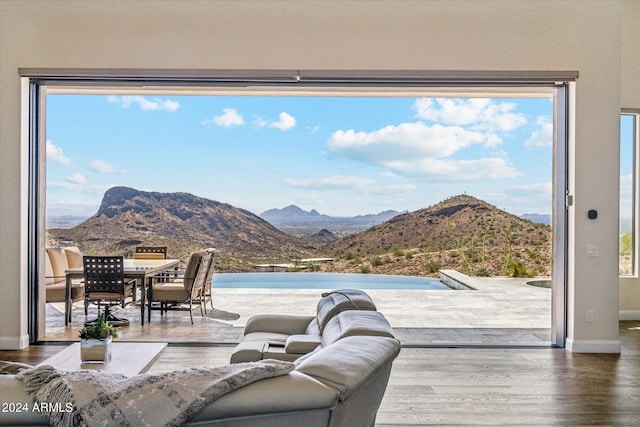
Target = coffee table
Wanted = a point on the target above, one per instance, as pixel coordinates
(127, 358)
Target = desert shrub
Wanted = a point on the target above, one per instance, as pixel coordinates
(432, 267)
(365, 269)
(625, 244)
(482, 272)
(398, 252)
(356, 260)
(349, 256)
(376, 261)
(518, 269)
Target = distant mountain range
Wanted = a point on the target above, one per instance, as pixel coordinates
(298, 222)
(537, 218)
(460, 232)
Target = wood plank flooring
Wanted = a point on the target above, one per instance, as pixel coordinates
(475, 386)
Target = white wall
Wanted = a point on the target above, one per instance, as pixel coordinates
(421, 35)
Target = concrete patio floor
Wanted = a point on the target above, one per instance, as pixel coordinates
(500, 311)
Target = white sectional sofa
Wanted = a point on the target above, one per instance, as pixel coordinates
(341, 382)
(339, 314)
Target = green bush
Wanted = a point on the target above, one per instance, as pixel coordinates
(518, 269)
(432, 267)
(482, 272)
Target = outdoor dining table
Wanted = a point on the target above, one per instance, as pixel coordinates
(141, 269)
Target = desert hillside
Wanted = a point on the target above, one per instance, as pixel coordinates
(462, 233)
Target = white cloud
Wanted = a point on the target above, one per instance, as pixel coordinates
(102, 166)
(71, 208)
(529, 198)
(405, 141)
(286, 121)
(543, 189)
(229, 118)
(77, 178)
(418, 150)
(259, 122)
(361, 185)
(393, 189)
(478, 113)
(543, 137)
(331, 182)
(145, 104)
(455, 170)
(56, 155)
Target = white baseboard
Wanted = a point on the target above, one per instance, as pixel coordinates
(629, 315)
(14, 343)
(593, 346)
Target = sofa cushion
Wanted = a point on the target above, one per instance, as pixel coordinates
(350, 362)
(354, 323)
(55, 292)
(274, 337)
(74, 257)
(59, 263)
(341, 300)
(48, 271)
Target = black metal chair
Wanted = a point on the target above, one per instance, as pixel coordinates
(105, 284)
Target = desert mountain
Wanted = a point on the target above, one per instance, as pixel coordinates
(461, 232)
(292, 213)
(298, 222)
(183, 222)
(537, 218)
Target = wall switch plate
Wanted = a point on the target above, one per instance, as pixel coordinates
(592, 251)
(589, 316)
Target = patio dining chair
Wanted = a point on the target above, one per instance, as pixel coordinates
(185, 289)
(150, 252)
(106, 285)
(206, 290)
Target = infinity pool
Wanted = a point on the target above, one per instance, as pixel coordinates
(325, 281)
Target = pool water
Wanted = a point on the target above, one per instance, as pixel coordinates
(325, 281)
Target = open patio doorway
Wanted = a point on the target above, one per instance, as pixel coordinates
(476, 167)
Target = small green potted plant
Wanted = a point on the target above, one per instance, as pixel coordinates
(95, 341)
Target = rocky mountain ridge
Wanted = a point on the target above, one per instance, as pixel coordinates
(461, 232)
(128, 217)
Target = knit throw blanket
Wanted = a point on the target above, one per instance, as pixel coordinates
(101, 398)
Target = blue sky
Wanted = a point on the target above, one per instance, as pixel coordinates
(342, 156)
(626, 171)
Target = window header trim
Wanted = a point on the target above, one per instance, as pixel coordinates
(177, 77)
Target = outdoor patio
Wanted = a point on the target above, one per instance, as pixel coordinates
(500, 311)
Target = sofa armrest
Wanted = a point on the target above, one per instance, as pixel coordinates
(350, 362)
(302, 344)
(289, 324)
(285, 394)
